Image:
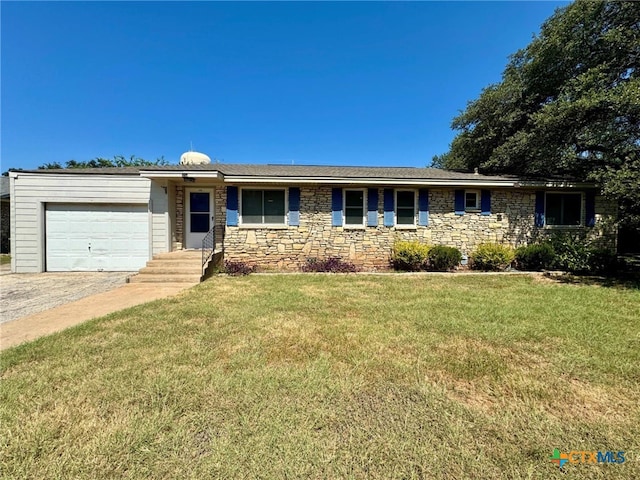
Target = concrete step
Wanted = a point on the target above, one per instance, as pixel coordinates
(193, 263)
(165, 278)
(164, 269)
(184, 266)
(181, 254)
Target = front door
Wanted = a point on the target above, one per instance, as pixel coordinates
(199, 215)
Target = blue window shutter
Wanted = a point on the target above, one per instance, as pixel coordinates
(372, 209)
(539, 208)
(459, 202)
(336, 207)
(590, 207)
(294, 206)
(485, 202)
(388, 207)
(423, 207)
(232, 206)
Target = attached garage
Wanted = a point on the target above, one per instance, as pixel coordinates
(92, 219)
(81, 237)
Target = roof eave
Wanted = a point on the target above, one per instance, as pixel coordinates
(180, 174)
(371, 181)
(556, 184)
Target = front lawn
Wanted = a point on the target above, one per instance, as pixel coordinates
(332, 376)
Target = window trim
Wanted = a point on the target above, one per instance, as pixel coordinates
(364, 208)
(395, 208)
(478, 206)
(241, 222)
(582, 209)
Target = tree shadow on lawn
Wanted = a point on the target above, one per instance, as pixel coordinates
(625, 280)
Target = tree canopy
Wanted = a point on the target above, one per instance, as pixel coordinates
(99, 162)
(568, 104)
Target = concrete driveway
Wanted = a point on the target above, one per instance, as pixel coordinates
(28, 293)
(34, 305)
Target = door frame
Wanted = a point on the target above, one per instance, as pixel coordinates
(187, 211)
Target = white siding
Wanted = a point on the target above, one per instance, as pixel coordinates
(32, 191)
(159, 219)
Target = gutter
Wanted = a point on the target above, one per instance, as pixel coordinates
(371, 181)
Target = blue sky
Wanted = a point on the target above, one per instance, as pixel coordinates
(312, 83)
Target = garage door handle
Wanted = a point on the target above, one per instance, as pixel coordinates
(89, 247)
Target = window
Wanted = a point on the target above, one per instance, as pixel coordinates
(199, 212)
(471, 200)
(263, 207)
(354, 207)
(405, 207)
(563, 209)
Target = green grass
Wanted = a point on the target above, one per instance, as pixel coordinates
(331, 376)
(5, 258)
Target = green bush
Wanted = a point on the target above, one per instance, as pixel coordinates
(576, 254)
(410, 255)
(492, 256)
(442, 258)
(604, 262)
(572, 252)
(536, 257)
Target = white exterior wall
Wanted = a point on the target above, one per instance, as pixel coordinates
(30, 192)
(160, 225)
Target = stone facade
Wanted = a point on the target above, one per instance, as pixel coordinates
(179, 233)
(5, 222)
(511, 222)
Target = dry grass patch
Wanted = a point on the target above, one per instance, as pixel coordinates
(332, 376)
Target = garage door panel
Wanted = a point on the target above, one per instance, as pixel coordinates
(84, 237)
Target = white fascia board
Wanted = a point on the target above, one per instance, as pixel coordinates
(78, 174)
(372, 181)
(556, 184)
(180, 174)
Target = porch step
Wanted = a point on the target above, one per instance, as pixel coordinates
(193, 264)
(162, 269)
(179, 255)
(184, 266)
(165, 278)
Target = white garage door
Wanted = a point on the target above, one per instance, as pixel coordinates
(82, 237)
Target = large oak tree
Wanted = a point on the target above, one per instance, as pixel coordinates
(568, 104)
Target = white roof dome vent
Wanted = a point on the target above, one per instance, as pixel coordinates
(194, 158)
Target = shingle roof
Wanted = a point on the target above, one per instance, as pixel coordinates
(326, 171)
(270, 170)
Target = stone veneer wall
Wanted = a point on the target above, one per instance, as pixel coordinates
(219, 217)
(179, 215)
(511, 221)
(5, 222)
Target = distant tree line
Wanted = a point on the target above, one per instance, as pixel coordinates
(99, 162)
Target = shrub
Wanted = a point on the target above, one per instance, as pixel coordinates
(410, 255)
(238, 268)
(577, 255)
(572, 252)
(604, 262)
(442, 258)
(536, 257)
(331, 264)
(492, 256)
